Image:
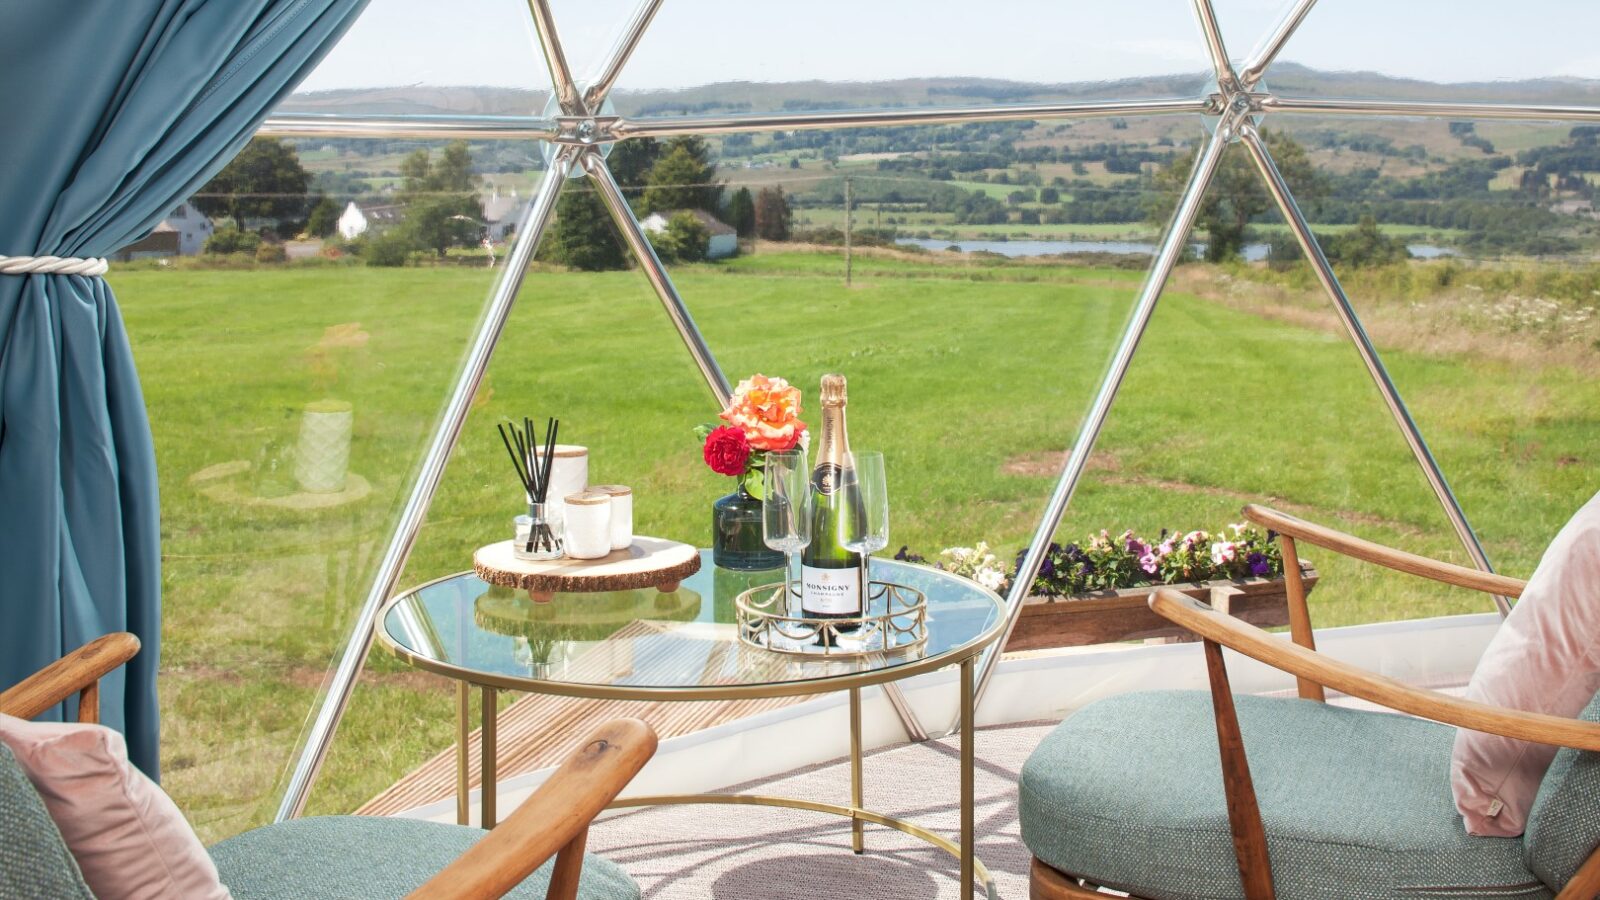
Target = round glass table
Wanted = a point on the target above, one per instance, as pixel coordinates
(683, 645)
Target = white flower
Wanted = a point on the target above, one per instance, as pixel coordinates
(990, 578)
(1223, 552)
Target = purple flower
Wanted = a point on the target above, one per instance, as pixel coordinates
(1136, 547)
(1047, 569)
(1149, 563)
(1259, 564)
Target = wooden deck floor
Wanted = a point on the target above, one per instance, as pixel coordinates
(538, 731)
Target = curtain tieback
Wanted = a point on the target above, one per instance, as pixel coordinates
(52, 265)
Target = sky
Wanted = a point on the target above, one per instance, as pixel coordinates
(691, 42)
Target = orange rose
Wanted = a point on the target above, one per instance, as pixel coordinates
(768, 410)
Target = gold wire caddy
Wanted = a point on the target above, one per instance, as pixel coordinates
(900, 623)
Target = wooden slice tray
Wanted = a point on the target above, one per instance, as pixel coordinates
(649, 562)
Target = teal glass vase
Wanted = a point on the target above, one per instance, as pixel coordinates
(736, 541)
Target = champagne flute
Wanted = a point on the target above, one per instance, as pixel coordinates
(786, 509)
(873, 489)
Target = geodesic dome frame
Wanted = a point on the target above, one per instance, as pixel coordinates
(579, 135)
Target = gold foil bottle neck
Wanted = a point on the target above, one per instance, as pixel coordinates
(833, 392)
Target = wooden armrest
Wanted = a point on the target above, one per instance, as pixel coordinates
(1357, 682)
(1367, 551)
(77, 672)
(555, 818)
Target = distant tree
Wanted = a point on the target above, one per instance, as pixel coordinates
(453, 170)
(586, 220)
(773, 215)
(684, 178)
(583, 236)
(1079, 169)
(794, 162)
(1237, 195)
(1365, 245)
(741, 212)
(685, 239)
(631, 161)
(265, 181)
(1049, 195)
(441, 199)
(324, 218)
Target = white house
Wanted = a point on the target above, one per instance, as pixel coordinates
(183, 233)
(724, 240)
(358, 217)
(193, 228)
(501, 214)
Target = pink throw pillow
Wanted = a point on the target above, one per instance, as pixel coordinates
(1545, 658)
(128, 836)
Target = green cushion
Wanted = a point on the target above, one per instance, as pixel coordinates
(1564, 826)
(34, 861)
(371, 856)
(1128, 792)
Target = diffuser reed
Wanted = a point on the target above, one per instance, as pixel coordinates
(532, 460)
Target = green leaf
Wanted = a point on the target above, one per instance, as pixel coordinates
(754, 483)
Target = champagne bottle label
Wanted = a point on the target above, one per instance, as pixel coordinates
(825, 478)
(831, 591)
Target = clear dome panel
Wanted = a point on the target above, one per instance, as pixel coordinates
(1444, 50)
(837, 55)
(420, 58)
(1006, 337)
(294, 371)
(1236, 396)
(1490, 329)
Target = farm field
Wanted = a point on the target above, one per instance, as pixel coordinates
(970, 374)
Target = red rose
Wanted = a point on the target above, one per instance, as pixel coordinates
(727, 450)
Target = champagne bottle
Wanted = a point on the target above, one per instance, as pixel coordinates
(830, 573)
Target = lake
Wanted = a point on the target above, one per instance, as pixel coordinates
(1252, 252)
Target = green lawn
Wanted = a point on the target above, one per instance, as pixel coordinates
(972, 378)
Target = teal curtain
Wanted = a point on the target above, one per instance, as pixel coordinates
(111, 112)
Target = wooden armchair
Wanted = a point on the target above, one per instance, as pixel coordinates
(79, 672)
(1399, 769)
(372, 856)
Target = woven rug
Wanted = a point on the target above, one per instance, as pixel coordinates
(757, 853)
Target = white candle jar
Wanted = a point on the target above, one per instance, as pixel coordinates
(569, 474)
(621, 513)
(588, 525)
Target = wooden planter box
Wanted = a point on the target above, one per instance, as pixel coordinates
(1124, 615)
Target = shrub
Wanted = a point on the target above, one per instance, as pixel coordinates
(232, 240)
(685, 239)
(271, 253)
(389, 249)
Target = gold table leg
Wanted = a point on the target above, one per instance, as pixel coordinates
(856, 842)
(967, 850)
(487, 784)
(463, 789)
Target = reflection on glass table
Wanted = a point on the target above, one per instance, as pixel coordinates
(644, 643)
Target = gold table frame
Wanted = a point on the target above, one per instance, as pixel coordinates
(490, 684)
